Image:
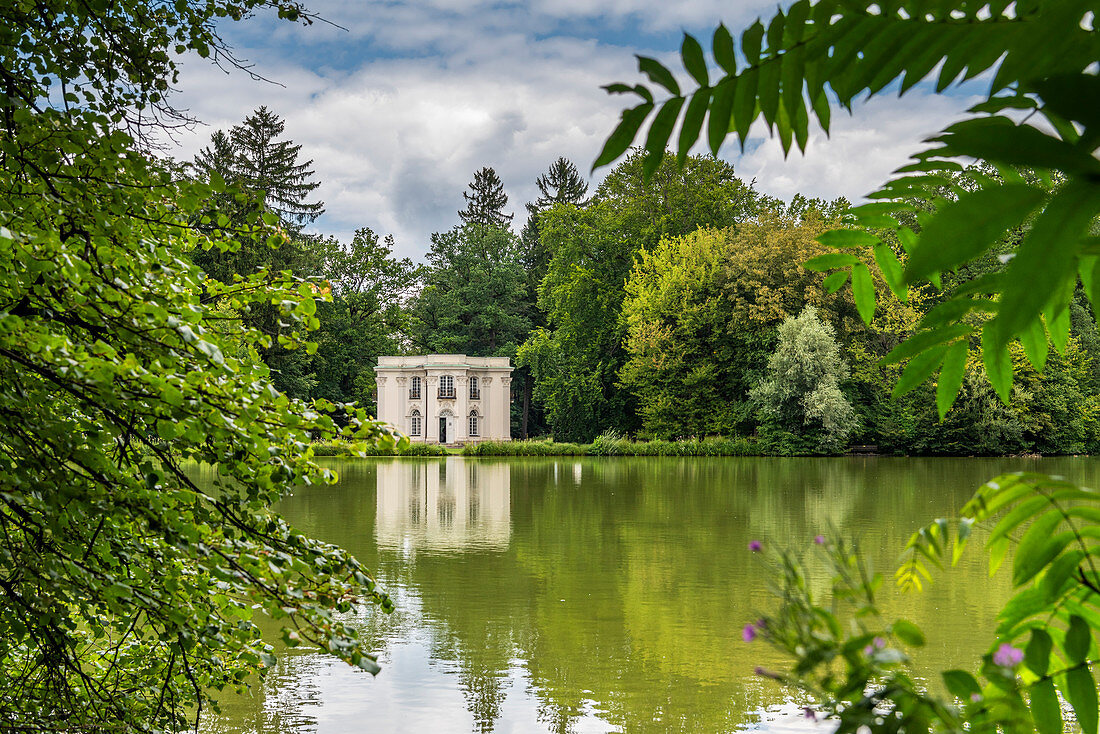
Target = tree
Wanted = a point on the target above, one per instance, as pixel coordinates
(367, 316)
(263, 174)
(1041, 57)
(561, 184)
(802, 387)
(472, 301)
(701, 315)
(486, 201)
(251, 157)
(576, 359)
(128, 592)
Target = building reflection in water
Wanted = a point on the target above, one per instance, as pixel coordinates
(448, 505)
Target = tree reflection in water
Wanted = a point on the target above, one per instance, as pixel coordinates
(584, 594)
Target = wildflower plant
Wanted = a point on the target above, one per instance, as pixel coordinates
(853, 662)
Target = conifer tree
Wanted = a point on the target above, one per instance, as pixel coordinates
(486, 201)
(251, 156)
(562, 183)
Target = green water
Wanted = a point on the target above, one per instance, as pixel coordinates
(603, 595)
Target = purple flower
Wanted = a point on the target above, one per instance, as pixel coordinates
(868, 651)
(765, 673)
(819, 539)
(749, 633)
(809, 713)
(1008, 656)
(879, 643)
(755, 545)
(975, 697)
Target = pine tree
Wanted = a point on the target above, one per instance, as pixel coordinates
(561, 184)
(218, 158)
(485, 204)
(251, 157)
(269, 165)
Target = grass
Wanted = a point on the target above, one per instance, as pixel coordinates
(612, 444)
(607, 444)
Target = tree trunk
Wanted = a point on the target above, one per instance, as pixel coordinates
(526, 403)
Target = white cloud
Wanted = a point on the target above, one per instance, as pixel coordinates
(861, 152)
(395, 142)
(398, 123)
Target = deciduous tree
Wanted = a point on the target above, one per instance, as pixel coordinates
(129, 592)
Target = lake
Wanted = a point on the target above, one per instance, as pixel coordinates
(604, 594)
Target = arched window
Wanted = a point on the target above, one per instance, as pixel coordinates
(414, 423)
(474, 423)
(414, 389)
(446, 386)
(475, 393)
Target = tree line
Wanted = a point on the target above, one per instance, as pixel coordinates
(666, 304)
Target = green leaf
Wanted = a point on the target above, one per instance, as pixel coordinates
(659, 132)
(1058, 325)
(1034, 340)
(888, 263)
(693, 122)
(692, 54)
(1047, 256)
(919, 369)
(721, 107)
(1037, 654)
(923, 340)
(908, 633)
(951, 376)
(831, 260)
(723, 50)
(963, 534)
(998, 140)
(767, 89)
(623, 135)
(775, 32)
(1038, 548)
(835, 281)
(961, 230)
(744, 105)
(750, 42)
(1080, 690)
(961, 684)
(998, 363)
(1046, 712)
(1078, 640)
(863, 289)
(658, 74)
(847, 238)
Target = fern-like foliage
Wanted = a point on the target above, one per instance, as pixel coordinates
(1041, 56)
(1055, 527)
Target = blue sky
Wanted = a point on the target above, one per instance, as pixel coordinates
(406, 100)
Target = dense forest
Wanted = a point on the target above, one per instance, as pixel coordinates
(665, 306)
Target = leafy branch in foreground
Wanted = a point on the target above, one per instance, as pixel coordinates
(1039, 114)
(1055, 525)
(853, 662)
(128, 592)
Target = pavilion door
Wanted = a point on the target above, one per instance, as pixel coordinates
(442, 430)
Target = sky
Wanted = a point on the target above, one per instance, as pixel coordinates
(399, 103)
